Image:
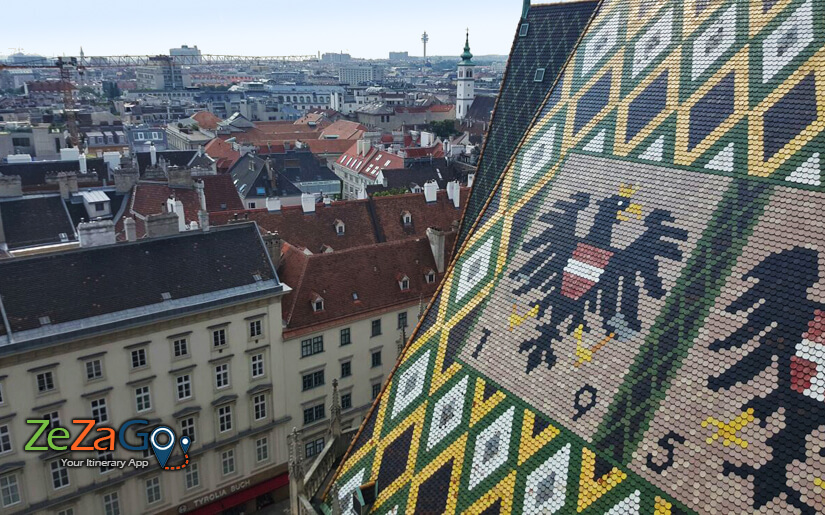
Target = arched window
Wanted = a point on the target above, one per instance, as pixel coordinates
(406, 218)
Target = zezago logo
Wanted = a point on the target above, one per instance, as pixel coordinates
(59, 439)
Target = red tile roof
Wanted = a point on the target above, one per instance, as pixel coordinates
(223, 153)
(206, 120)
(220, 193)
(370, 272)
(328, 146)
(344, 129)
(440, 214)
(378, 159)
(313, 231)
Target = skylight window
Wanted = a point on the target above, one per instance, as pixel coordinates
(522, 31)
(539, 77)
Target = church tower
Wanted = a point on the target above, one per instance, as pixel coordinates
(465, 83)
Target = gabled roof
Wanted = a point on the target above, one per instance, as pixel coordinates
(206, 120)
(343, 129)
(370, 272)
(441, 214)
(37, 220)
(223, 153)
(179, 158)
(482, 108)
(62, 294)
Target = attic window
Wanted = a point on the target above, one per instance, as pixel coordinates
(429, 277)
(404, 283)
(354, 295)
(166, 295)
(318, 304)
(45, 320)
(539, 77)
(339, 227)
(522, 31)
(406, 217)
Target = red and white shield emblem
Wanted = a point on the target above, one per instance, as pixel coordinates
(808, 365)
(583, 270)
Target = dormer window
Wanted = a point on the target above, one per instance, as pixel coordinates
(403, 282)
(317, 303)
(339, 227)
(406, 218)
(429, 277)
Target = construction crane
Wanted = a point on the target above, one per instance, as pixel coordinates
(79, 64)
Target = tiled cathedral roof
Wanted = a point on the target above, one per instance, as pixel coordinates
(635, 324)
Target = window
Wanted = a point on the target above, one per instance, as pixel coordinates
(60, 475)
(339, 229)
(21, 142)
(314, 447)
(406, 217)
(100, 206)
(155, 135)
(9, 490)
(138, 358)
(429, 277)
(187, 427)
(522, 31)
(346, 337)
(257, 365)
(376, 389)
(318, 304)
(376, 358)
(262, 449)
(312, 380)
(402, 319)
(255, 329)
(180, 347)
(184, 387)
(218, 337)
(94, 370)
(404, 283)
(312, 346)
(143, 400)
(5, 439)
(225, 418)
(66, 511)
(54, 419)
(111, 504)
(222, 375)
(152, 490)
(253, 205)
(228, 462)
(346, 401)
(45, 381)
(192, 476)
(99, 411)
(539, 77)
(376, 327)
(346, 368)
(105, 456)
(259, 406)
(314, 414)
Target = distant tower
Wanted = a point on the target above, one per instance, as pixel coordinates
(82, 55)
(424, 39)
(466, 83)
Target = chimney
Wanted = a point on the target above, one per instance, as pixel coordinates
(97, 233)
(437, 239)
(273, 205)
(181, 216)
(203, 220)
(125, 179)
(272, 241)
(471, 177)
(162, 224)
(363, 146)
(455, 188)
(179, 177)
(200, 150)
(327, 201)
(450, 190)
(201, 195)
(153, 154)
(11, 186)
(82, 161)
(269, 172)
(308, 202)
(63, 184)
(72, 178)
(129, 228)
(430, 191)
(251, 164)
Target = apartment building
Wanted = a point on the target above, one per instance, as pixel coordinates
(182, 331)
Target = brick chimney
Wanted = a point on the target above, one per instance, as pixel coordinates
(437, 239)
(67, 182)
(125, 179)
(130, 229)
(272, 241)
(179, 177)
(162, 224)
(11, 186)
(97, 233)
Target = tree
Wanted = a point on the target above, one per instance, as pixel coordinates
(443, 129)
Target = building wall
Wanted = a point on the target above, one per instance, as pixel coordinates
(359, 353)
(351, 181)
(73, 394)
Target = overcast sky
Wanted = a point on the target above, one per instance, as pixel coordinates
(363, 28)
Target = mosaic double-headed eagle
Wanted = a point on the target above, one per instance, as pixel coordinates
(575, 274)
